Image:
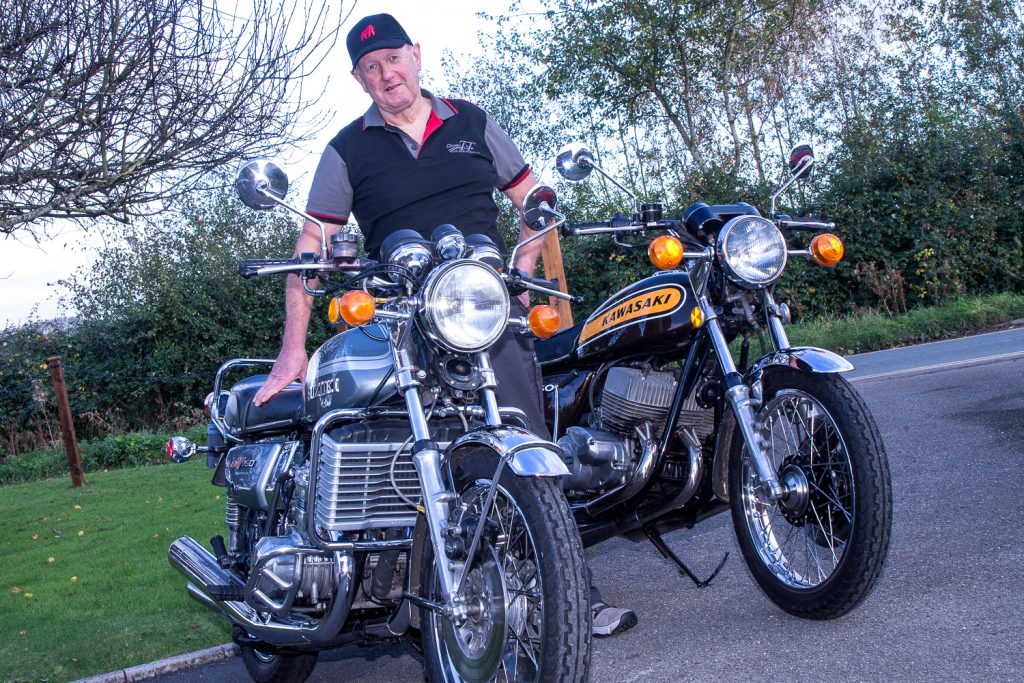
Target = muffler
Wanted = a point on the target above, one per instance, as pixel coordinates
(200, 567)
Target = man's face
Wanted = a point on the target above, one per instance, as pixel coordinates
(391, 77)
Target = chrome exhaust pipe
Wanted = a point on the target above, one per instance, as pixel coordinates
(200, 567)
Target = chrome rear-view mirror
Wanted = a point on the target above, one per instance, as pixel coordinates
(261, 184)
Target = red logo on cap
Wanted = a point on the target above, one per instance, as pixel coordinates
(368, 32)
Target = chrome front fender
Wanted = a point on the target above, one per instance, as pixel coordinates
(802, 358)
(526, 453)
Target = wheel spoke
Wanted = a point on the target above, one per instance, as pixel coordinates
(839, 506)
(803, 434)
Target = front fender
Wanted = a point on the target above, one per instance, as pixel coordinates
(526, 453)
(802, 358)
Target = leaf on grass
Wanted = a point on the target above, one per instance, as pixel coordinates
(81, 532)
(51, 559)
(78, 507)
(15, 589)
(29, 595)
(74, 579)
(35, 537)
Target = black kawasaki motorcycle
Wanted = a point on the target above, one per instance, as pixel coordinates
(661, 427)
(389, 493)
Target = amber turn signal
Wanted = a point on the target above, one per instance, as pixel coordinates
(827, 249)
(544, 321)
(354, 307)
(665, 252)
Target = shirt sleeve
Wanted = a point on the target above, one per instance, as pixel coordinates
(330, 197)
(509, 165)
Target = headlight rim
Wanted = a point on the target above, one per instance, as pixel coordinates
(721, 249)
(428, 311)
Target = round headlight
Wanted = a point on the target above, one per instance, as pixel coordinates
(752, 250)
(465, 305)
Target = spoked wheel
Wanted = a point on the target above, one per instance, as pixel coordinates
(525, 613)
(818, 551)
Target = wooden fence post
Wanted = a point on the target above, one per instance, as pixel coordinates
(551, 257)
(67, 426)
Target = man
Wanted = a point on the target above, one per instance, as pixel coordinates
(416, 161)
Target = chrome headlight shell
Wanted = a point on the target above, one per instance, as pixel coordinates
(752, 251)
(465, 305)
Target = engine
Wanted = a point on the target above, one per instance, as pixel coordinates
(366, 487)
(601, 456)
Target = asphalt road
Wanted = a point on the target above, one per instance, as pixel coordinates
(948, 607)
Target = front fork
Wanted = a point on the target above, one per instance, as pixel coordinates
(738, 395)
(426, 457)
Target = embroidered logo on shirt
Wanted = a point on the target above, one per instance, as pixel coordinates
(463, 147)
(368, 32)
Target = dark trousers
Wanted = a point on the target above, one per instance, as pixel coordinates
(518, 374)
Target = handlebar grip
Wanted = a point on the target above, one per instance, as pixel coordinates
(803, 224)
(249, 267)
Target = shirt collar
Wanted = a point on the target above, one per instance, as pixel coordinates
(441, 109)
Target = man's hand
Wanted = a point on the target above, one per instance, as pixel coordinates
(290, 365)
(524, 299)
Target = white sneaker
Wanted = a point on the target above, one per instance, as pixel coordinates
(607, 620)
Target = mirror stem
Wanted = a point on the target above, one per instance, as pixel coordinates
(587, 161)
(323, 232)
(805, 164)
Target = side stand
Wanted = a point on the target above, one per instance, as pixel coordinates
(655, 536)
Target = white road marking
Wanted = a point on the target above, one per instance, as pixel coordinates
(942, 366)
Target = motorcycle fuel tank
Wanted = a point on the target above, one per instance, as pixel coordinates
(650, 316)
(353, 369)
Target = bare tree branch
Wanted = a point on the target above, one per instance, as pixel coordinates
(109, 107)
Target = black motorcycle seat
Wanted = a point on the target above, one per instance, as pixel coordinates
(559, 347)
(279, 413)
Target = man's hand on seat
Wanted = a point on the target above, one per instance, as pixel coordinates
(290, 365)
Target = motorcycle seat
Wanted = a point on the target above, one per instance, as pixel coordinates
(279, 413)
(559, 347)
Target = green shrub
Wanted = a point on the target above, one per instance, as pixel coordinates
(112, 452)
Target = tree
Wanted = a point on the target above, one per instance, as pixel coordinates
(108, 107)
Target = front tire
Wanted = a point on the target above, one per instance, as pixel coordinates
(533, 623)
(267, 667)
(817, 553)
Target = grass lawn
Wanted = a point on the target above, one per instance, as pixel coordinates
(872, 332)
(85, 586)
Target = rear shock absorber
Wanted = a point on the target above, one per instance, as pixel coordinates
(234, 522)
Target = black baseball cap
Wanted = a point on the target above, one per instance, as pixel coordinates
(375, 32)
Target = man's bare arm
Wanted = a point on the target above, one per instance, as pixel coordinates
(291, 361)
(526, 258)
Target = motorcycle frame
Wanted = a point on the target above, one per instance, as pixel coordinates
(743, 395)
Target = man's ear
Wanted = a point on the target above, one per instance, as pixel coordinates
(416, 55)
(359, 79)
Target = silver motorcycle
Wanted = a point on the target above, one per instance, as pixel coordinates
(389, 494)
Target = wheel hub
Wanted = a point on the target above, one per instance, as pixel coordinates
(797, 494)
(475, 635)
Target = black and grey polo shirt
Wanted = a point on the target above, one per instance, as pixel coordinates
(388, 181)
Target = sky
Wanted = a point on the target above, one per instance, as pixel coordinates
(29, 271)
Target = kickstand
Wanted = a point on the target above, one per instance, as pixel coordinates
(659, 543)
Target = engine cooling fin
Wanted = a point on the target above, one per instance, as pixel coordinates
(633, 396)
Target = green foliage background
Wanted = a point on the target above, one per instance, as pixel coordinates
(160, 311)
(915, 108)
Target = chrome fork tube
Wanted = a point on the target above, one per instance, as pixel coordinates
(775, 327)
(426, 457)
(490, 399)
(738, 395)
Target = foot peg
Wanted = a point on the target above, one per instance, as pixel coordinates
(655, 536)
(226, 593)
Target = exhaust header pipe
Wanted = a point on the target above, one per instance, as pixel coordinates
(200, 567)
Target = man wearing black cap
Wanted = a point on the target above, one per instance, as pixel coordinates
(417, 161)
